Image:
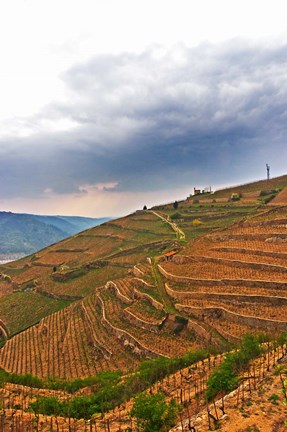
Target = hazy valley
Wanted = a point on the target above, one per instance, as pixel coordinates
(23, 234)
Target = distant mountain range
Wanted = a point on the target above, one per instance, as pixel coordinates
(23, 234)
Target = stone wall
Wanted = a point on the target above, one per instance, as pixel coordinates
(139, 322)
(217, 312)
(180, 259)
(125, 337)
(112, 286)
(220, 282)
(271, 300)
(150, 299)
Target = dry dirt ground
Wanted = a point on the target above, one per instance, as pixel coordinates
(261, 410)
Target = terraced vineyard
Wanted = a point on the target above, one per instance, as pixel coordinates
(111, 296)
(234, 278)
(257, 386)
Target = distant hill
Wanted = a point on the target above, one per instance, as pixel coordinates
(23, 234)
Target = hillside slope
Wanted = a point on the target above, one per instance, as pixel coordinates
(256, 403)
(157, 283)
(227, 275)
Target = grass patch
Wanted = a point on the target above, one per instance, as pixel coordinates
(21, 310)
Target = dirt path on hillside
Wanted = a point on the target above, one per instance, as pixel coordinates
(179, 233)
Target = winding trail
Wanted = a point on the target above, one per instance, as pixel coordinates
(179, 233)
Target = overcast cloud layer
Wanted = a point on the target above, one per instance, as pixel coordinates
(159, 121)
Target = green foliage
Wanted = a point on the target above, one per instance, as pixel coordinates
(282, 338)
(175, 205)
(265, 193)
(151, 371)
(235, 197)
(100, 380)
(153, 413)
(28, 309)
(176, 216)
(224, 378)
(249, 348)
(268, 195)
(252, 428)
(274, 399)
(268, 199)
(109, 391)
(269, 192)
(2, 341)
(26, 380)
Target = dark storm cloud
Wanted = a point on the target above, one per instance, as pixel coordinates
(205, 114)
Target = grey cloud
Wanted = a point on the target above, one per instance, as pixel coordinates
(159, 119)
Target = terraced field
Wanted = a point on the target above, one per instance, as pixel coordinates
(75, 267)
(107, 298)
(234, 279)
(112, 296)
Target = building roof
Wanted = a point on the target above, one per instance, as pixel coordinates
(171, 253)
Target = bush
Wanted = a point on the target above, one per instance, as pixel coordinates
(235, 197)
(268, 199)
(224, 379)
(181, 324)
(26, 380)
(175, 216)
(153, 413)
(109, 392)
(196, 222)
(181, 320)
(265, 192)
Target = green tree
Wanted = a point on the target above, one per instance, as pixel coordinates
(249, 347)
(153, 413)
(224, 378)
(175, 205)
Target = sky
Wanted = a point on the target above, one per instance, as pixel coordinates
(108, 105)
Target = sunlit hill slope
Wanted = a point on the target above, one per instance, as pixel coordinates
(108, 297)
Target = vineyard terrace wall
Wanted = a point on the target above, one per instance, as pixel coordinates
(127, 339)
(139, 322)
(271, 300)
(112, 286)
(219, 282)
(217, 312)
(237, 263)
